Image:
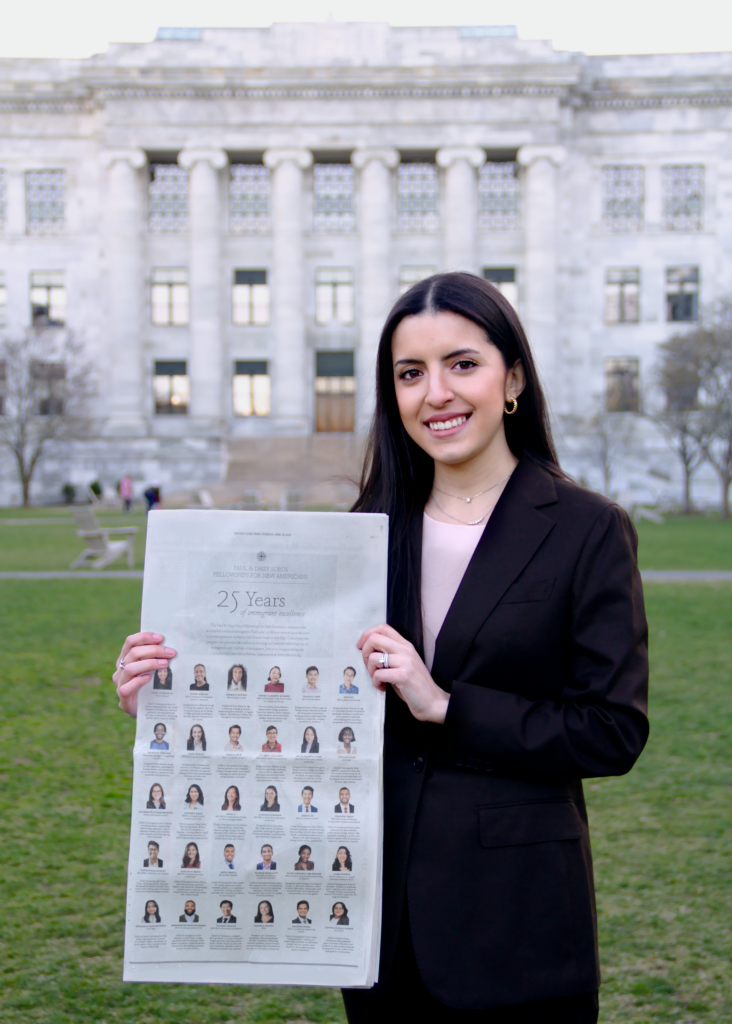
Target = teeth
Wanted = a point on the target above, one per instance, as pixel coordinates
(447, 424)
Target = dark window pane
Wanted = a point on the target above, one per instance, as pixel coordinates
(252, 367)
(499, 275)
(250, 277)
(334, 364)
(171, 368)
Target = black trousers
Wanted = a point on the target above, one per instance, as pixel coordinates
(403, 997)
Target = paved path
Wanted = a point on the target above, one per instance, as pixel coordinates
(48, 521)
(684, 575)
(650, 575)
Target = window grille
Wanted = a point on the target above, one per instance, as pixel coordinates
(171, 387)
(169, 297)
(682, 294)
(45, 202)
(48, 387)
(499, 196)
(622, 292)
(622, 392)
(335, 392)
(683, 197)
(504, 279)
(168, 199)
(333, 198)
(3, 301)
(3, 199)
(417, 198)
(250, 298)
(334, 295)
(252, 388)
(250, 200)
(623, 197)
(48, 298)
(412, 275)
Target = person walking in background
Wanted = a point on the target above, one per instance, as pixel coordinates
(125, 492)
(152, 497)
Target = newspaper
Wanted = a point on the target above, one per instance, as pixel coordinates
(256, 835)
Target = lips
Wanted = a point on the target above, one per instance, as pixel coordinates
(438, 426)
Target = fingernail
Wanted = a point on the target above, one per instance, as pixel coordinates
(162, 663)
(170, 652)
(157, 637)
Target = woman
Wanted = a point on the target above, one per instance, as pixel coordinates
(273, 684)
(196, 740)
(231, 799)
(342, 860)
(515, 665)
(346, 741)
(304, 863)
(310, 743)
(271, 799)
(156, 798)
(191, 858)
(163, 679)
(194, 797)
(152, 913)
(264, 915)
(340, 916)
(237, 681)
(200, 682)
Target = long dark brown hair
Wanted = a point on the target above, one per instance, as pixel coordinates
(397, 474)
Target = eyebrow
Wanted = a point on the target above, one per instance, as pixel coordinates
(450, 355)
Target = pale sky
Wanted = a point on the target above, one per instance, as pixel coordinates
(79, 28)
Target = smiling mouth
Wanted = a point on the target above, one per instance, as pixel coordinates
(437, 426)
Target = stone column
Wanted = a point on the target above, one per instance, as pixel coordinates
(377, 286)
(289, 372)
(130, 392)
(461, 205)
(209, 406)
(540, 277)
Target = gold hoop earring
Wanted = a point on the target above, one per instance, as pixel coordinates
(510, 412)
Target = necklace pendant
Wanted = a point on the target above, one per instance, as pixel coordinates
(468, 500)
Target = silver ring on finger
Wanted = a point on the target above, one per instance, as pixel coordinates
(384, 659)
(121, 664)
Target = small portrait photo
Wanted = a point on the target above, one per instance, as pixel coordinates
(152, 913)
(303, 909)
(346, 741)
(267, 863)
(153, 859)
(265, 914)
(311, 680)
(194, 798)
(234, 739)
(189, 915)
(163, 679)
(196, 740)
(156, 799)
(191, 858)
(200, 682)
(342, 860)
(271, 800)
(344, 805)
(229, 858)
(271, 746)
(310, 743)
(304, 863)
(237, 681)
(160, 742)
(339, 914)
(231, 799)
(227, 916)
(307, 806)
(347, 686)
(274, 682)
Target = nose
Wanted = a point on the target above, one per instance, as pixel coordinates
(438, 393)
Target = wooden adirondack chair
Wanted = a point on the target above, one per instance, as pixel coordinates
(101, 551)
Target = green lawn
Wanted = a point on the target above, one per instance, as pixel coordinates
(686, 542)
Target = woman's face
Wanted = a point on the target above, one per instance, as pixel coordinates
(162, 674)
(269, 796)
(305, 854)
(264, 909)
(309, 736)
(191, 852)
(342, 855)
(339, 910)
(199, 673)
(236, 674)
(231, 796)
(348, 736)
(150, 909)
(157, 794)
(447, 372)
(197, 733)
(195, 794)
(274, 675)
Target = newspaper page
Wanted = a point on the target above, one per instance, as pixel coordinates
(256, 834)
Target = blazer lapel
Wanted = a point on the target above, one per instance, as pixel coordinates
(513, 534)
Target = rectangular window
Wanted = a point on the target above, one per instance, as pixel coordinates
(504, 278)
(167, 199)
(3, 301)
(3, 199)
(333, 198)
(252, 388)
(47, 298)
(250, 298)
(622, 385)
(683, 197)
(45, 202)
(499, 196)
(48, 387)
(622, 293)
(333, 295)
(623, 197)
(412, 275)
(682, 293)
(169, 300)
(417, 198)
(250, 200)
(335, 393)
(171, 387)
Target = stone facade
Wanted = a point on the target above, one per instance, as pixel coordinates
(314, 168)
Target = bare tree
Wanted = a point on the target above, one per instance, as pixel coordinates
(610, 436)
(45, 390)
(715, 393)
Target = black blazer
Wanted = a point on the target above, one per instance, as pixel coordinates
(544, 651)
(314, 748)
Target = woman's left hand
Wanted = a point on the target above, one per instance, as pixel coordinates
(407, 673)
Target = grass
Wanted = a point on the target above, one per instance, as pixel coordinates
(686, 542)
(36, 547)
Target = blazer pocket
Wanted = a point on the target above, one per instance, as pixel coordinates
(526, 823)
(528, 590)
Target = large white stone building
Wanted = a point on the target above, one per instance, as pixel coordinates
(224, 216)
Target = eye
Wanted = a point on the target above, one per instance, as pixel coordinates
(412, 374)
(464, 364)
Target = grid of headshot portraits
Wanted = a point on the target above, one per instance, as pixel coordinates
(248, 826)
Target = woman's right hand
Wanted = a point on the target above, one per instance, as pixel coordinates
(141, 654)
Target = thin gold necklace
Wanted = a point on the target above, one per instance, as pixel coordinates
(472, 522)
(468, 500)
